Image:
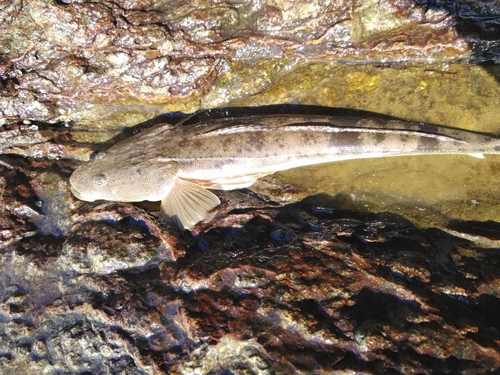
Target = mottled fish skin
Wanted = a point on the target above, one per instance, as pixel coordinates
(175, 164)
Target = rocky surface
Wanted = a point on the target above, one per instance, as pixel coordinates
(129, 61)
(310, 287)
(107, 289)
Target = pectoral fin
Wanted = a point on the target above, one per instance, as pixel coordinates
(188, 203)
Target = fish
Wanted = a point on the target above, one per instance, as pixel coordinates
(180, 164)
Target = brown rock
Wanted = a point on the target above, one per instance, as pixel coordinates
(107, 288)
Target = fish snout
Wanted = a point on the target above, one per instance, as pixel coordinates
(77, 187)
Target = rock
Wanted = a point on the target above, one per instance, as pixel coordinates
(317, 285)
(300, 288)
(128, 62)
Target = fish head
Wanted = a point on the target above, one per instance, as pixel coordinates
(109, 178)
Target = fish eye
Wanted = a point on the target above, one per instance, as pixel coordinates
(93, 155)
(100, 180)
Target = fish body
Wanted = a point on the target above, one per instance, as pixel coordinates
(178, 164)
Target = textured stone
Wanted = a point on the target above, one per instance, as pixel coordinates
(299, 288)
(106, 288)
(93, 62)
(264, 288)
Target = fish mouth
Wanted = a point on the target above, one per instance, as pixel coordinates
(74, 182)
(75, 192)
(79, 195)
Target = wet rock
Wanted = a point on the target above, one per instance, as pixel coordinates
(299, 288)
(93, 288)
(93, 62)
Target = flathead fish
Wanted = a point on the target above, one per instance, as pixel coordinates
(178, 164)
